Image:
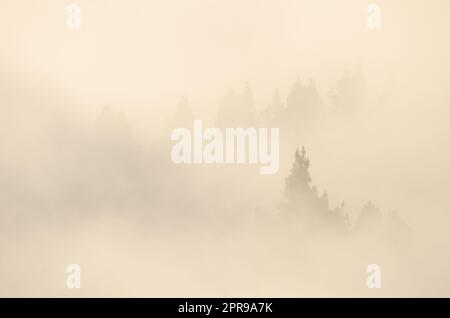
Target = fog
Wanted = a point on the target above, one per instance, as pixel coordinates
(86, 175)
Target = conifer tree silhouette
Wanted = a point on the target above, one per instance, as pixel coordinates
(303, 200)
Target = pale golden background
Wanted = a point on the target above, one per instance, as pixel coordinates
(79, 185)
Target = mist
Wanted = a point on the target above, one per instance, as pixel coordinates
(86, 175)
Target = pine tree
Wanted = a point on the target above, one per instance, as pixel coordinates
(304, 201)
(298, 183)
(303, 106)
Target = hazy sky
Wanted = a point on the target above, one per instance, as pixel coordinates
(141, 57)
(148, 53)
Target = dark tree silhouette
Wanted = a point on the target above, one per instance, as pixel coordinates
(304, 202)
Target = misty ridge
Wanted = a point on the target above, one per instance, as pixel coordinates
(73, 187)
(87, 178)
(105, 170)
(299, 117)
